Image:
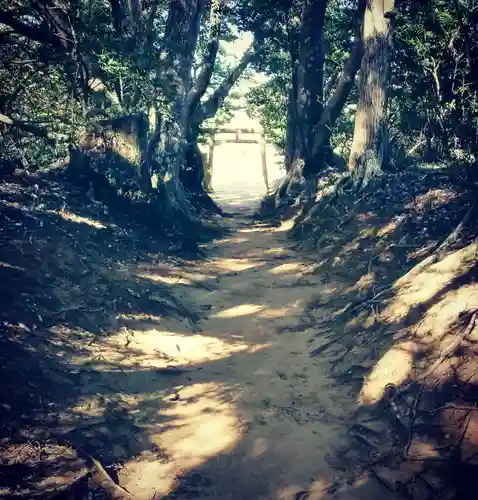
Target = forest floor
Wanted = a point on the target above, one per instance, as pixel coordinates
(193, 378)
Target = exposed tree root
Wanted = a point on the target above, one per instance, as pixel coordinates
(453, 346)
(95, 478)
(102, 479)
(445, 245)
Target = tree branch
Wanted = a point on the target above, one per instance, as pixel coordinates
(209, 108)
(209, 60)
(31, 128)
(338, 99)
(31, 32)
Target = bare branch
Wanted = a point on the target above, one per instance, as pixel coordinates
(209, 108)
(31, 32)
(209, 60)
(31, 128)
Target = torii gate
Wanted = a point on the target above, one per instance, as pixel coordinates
(237, 140)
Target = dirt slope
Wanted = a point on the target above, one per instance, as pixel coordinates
(246, 413)
(184, 378)
(254, 417)
(193, 377)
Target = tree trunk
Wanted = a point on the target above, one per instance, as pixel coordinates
(336, 102)
(194, 178)
(369, 144)
(192, 173)
(291, 138)
(180, 40)
(311, 76)
(209, 108)
(293, 133)
(208, 170)
(193, 170)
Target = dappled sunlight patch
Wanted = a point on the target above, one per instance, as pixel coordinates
(200, 425)
(424, 283)
(350, 247)
(391, 226)
(91, 408)
(169, 279)
(318, 490)
(393, 368)
(139, 317)
(442, 316)
(432, 199)
(150, 349)
(277, 251)
(191, 349)
(78, 219)
(421, 450)
(241, 310)
(278, 312)
(365, 281)
(259, 229)
(234, 240)
(207, 425)
(258, 448)
(291, 267)
(363, 217)
(172, 278)
(235, 264)
(285, 226)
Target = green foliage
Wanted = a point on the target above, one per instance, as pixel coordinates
(268, 103)
(434, 99)
(434, 91)
(433, 95)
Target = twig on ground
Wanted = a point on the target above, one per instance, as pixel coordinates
(358, 304)
(323, 347)
(438, 254)
(452, 406)
(382, 481)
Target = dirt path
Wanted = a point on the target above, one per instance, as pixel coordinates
(245, 413)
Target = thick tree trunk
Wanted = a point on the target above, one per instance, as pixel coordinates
(336, 104)
(193, 170)
(194, 178)
(192, 173)
(180, 40)
(293, 133)
(208, 168)
(369, 144)
(311, 76)
(291, 138)
(207, 67)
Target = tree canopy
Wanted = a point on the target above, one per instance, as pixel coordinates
(130, 85)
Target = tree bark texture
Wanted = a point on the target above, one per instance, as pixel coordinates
(310, 75)
(180, 40)
(209, 108)
(292, 138)
(335, 104)
(369, 144)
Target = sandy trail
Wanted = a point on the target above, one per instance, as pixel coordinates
(253, 416)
